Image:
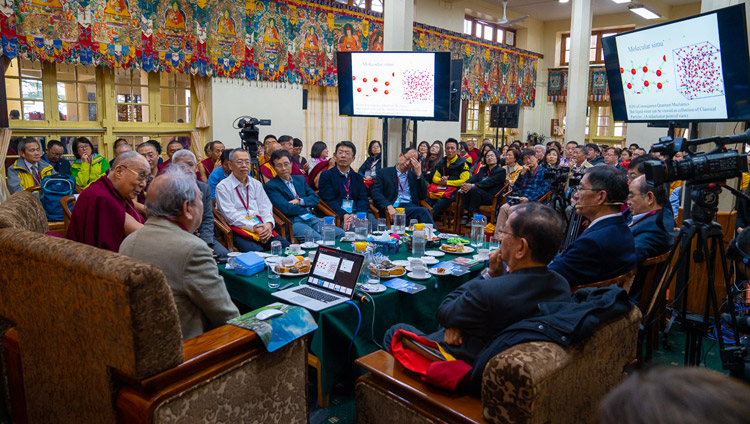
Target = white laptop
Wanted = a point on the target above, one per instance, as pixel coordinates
(332, 280)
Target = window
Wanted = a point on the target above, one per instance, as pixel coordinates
(472, 116)
(489, 31)
(24, 90)
(601, 126)
(596, 53)
(131, 95)
(76, 93)
(175, 97)
(602, 121)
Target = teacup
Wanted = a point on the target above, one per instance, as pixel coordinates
(420, 271)
(483, 254)
(295, 248)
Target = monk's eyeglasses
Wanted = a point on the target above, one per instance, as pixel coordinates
(142, 176)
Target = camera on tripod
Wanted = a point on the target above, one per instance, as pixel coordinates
(557, 176)
(248, 127)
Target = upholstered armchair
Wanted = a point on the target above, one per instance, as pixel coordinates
(537, 382)
(96, 338)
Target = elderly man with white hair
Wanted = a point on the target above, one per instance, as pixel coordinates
(175, 209)
(185, 160)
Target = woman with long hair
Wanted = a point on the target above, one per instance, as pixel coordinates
(424, 150)
(552, 158)
(372, 164)
(512, 168)
(436, 153)
(481, 188)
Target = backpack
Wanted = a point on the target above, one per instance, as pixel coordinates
(54, 188)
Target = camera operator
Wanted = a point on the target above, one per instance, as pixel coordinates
(529, 186)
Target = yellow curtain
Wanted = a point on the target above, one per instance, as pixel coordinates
(196, 144)
(201, 90)
(4, 143)
(560, 109)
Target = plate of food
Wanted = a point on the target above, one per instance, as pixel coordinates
(439, 271)
(434, 253)
(388, 269)
(291, 266)
(456, 249)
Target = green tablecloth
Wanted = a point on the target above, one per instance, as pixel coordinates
(337, 325)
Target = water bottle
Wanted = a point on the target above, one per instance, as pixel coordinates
(361, 226)
(329, 232)
(400, 221)
(477, 230)
(418, 241)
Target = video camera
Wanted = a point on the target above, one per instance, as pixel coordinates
(248, 127)
(714, 166)
(557, 176)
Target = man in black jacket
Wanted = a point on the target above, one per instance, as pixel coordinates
(402, 186)
(450, 174)
(480, 309)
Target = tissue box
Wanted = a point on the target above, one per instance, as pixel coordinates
(390, 246)
(249, 263)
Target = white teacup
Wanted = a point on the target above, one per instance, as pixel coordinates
(295, 248)
(420, 271)
(483, 254)
(415, 262)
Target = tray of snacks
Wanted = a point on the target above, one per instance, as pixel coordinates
(291, 266)
(456, 249)
(388, 269)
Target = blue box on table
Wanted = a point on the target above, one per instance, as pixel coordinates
(387, 247)
(249, 263)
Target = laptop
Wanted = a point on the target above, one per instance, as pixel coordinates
(332, 280)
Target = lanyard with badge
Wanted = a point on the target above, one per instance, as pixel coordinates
(251, 220)
(304, 216)
(400, 192)
(347, 205)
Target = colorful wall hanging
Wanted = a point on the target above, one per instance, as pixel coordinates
(557, 85)
(291, 41)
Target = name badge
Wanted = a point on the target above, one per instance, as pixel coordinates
(442, 187)
(347, 205)
(306, 216)
(252, 221)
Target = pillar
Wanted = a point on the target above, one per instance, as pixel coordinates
(578, 72)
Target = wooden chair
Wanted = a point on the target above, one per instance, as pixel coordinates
(284, 225)
(67, 203)
(101, 342)
(225, 235)
(450, 221)
(624, 281)
(653, 271)
(54, 226)
(490, 211)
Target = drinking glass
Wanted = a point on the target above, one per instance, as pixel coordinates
(381, 225)
(276, 248)
(411, 224)
(494, 243)
(273, 277)
(309, 236)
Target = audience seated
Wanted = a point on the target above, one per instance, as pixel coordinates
(54, 156)
(208, 164)
(185, 160)
(579, 157)
(172, 147)
(402, 186)
(297, 155)
(512, 167)
(434, 156)
(29, 169)
(263, 156)
(219, 173)
(636, 168)
(451, 171)
(245, 207)
(482, 187)
(689, 395)
(88, 166)
(478, 310)
(529, 187)
(318, 153)
(121, 146)
(267, 170)
(104, 212)
(314, 177)
(293, 197)
(606, 248)
(287, 143)
(150, 149)
(594, 154)
(175, 211)
(371, 165)
(344, 190)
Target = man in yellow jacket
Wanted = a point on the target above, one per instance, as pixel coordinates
(29, 169)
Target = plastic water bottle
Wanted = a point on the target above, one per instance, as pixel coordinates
(329, 232)
(360, 226)
(400, 221)
(418, 241)
(477, 230)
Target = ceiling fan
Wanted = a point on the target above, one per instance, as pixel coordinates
(504, 22)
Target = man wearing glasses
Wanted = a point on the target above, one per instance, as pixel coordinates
(104, 212)
(606, 248)
(343, 189)
(243, 203)
(473, 314)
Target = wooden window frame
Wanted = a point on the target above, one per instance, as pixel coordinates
(475, 23)
(599, 58)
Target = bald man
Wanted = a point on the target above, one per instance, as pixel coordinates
(104, 212)
(267, 168)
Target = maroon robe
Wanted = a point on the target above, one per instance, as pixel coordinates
(208, 163)
(98, 217)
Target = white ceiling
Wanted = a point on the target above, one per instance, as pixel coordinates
(552, 10)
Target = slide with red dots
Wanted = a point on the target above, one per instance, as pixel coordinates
(674, 71)
(393, 84)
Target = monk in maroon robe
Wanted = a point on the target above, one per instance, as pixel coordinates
(104, 213)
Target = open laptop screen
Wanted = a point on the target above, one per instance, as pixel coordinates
(335, 270)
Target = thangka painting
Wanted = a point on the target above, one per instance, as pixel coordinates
(557, 90)
(291, 41)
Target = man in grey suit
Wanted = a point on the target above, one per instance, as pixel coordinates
(175, 210)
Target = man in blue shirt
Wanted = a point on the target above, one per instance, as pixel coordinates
(291, 195)
(530, 185)
(219, 173)
(54, 156)
(343, 189)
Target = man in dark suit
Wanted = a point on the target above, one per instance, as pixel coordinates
(343, 189)
(606, 249)
(402, 186)
(478, 310)
(291, 195)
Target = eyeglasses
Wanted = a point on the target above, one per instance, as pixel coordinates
(344, 153)
(142, 176)
(242, 162)
(590, 189)
(282, 165)
(505, 233)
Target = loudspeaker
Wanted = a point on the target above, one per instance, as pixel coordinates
(457, 72)
(504, 115)
(304, 99)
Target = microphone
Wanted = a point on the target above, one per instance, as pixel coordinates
(578, 206)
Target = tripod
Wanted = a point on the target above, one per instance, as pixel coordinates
(708, 238)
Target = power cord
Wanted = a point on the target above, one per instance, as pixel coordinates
(359, 322)
(372, 326)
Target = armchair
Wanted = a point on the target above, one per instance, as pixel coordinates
(97, 338)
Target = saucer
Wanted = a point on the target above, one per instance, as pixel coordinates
(413, 277)
(309, 245)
